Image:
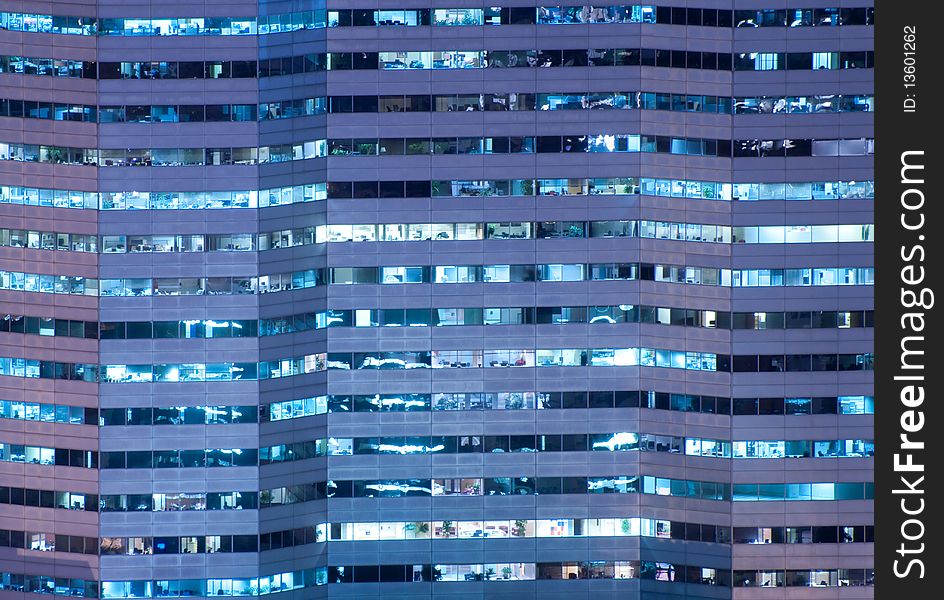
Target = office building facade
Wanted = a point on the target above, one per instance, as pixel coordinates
(369, 299)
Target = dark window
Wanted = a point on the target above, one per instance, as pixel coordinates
(744, 364)
(365, 573)
(770, 363)
(519, 16)
(245, 543)
(340, 189)
(340, 104)
(243, 68)
(601, 399)
(365, 60)
(365, 189)
(825, 406)
(798, 362)
(192, 70)
(574, 443)
(139, 330)
(113, 460)
(574, 400)
(770, 406)
(393, 573)
(365, 104)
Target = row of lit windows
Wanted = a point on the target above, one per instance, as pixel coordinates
(606, 186)
(319, 405)
(596, 143)
(594, 442)
(208, 458)
(453, 274)
(439, 274)
(442, 317)
(605, 527)
(474, 444)
(805, 578)
(164, 157)
(790, 61)
(436, 59)
(544, 101)
(81, 501)
(492, 572)
(43, 584)
(412, 445)
(401, 488)
(412, 232)
(173, 415)
(434, 317)
(442, 401)
(501, 486)
(668, 188)
(517, 230)
(495, 572)
(46, 240)
(439, 317)
(334, 532)
(49, 585)
(424, 530)
(210, 544)
(47, 413)
(774, 449)
(680, 59)
(629, 142)
(40, 455)
(178, 415)
(280, 582)
(530, 486)
(437, 359)
(542, 15)
(302, 107)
